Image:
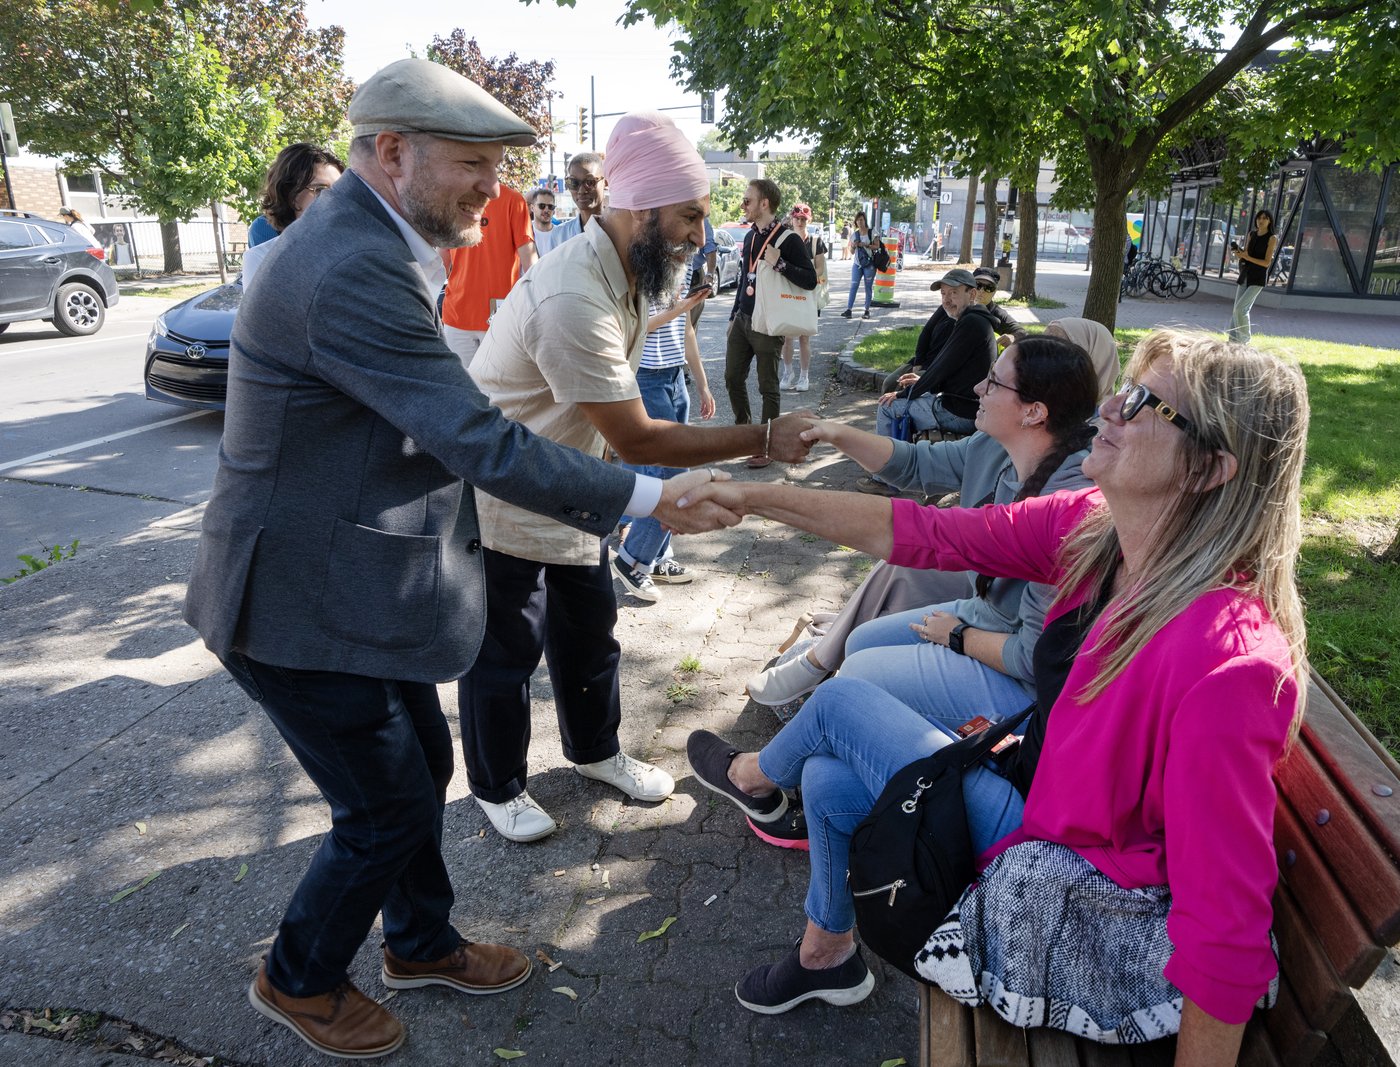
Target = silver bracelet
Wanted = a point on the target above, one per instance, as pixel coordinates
(767, 435)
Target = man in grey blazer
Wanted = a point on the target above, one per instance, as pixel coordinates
(339, 575)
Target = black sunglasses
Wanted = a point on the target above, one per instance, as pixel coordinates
(544, 207)
(1138, 397)
(581, 183)
(987, 288)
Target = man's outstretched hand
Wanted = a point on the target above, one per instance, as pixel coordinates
(702, 516)
(785, 442)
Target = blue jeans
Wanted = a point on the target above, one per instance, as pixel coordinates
(857, 273)
(935, 681)
(929, 413)
(1240, 327)
(666, 399)
(381, 755)
(842, 747)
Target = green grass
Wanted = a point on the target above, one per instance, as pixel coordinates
(1351, 508)
(173, 292)
(1033, 302)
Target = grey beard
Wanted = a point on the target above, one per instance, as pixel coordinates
(437, 224)
(657, 271)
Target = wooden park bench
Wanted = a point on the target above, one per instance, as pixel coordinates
(1337, 907)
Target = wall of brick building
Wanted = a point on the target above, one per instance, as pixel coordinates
(35, 189)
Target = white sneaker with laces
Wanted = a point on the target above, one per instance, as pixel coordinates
(802, 383)
(789, 378)
(519, 818)
(640, 781)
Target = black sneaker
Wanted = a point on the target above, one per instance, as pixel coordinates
(846, 314)
(636, 580)
(709, 756)
(778, 987)
(788, 832)
(866, 314)
(670, 572)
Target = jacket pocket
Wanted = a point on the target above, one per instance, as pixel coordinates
(381, 589)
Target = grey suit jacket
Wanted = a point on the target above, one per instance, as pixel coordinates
(338, 536)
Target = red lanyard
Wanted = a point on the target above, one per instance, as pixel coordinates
(753, 263)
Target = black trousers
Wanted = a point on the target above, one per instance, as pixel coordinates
(567, 613)
(381, 755)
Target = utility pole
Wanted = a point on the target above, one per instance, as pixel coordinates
(9, 146)
(593, 114)
(550, 105)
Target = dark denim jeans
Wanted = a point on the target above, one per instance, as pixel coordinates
(381, 755)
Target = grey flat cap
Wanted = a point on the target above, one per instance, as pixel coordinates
(419, 96)
(956, 276)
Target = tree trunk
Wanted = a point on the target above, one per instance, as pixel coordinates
(218, 242)
(170, 242)
(993, 221)
(1392, 553)
(1106, 256)
(969, 220)
(1027, 240)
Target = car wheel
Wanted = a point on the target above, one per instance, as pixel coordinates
(78, 310)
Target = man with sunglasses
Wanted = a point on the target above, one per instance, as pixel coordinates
(541, 203)
(941, 397)
(588, 187)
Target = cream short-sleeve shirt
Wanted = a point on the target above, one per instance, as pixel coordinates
(570, 332)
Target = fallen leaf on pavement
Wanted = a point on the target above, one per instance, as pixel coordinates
(508, 1053)
(179, 930)
(543, 957)
(607, 878)
(558, 873)
(44, 1025)
(898, 1061)
(596, 900)
(139, 885)
(141, 828)
(566, 991)
(242, 871)
(665, 925)
(482, 832)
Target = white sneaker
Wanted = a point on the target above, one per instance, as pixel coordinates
(789, 378)
(785, 682)
(802, 383)
(519, 818)
(640, 781)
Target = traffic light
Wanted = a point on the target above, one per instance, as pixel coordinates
(707, 108)
(932, 188)
(582, 126)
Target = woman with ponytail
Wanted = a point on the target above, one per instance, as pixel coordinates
(1033, 433)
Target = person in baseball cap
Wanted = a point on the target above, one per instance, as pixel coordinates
(956, 276)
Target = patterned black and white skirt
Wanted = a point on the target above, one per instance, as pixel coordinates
(1047, 940)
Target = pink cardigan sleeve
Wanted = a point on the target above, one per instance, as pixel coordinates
(1218, 803)
(1020, 540)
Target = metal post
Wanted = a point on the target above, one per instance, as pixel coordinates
(9, 189)
(550, 104)
(593, 115)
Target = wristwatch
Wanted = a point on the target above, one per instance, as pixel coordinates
(955, 638)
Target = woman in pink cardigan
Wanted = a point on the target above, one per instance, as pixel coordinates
(1176, 696)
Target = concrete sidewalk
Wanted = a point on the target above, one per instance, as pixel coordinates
(131, 755)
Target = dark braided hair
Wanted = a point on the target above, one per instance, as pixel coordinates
(1059, 374)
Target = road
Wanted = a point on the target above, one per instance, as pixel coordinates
(83, 453)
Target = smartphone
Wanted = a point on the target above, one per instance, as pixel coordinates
(1235, 246)
(701, 288)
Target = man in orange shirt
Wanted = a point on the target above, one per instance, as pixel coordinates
(479, 277)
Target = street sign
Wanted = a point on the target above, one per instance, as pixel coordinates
(7, 130)
(945, 198)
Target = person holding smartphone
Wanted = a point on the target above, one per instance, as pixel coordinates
(1255, 259)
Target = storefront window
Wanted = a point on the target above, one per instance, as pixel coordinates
(1385, 270)
(1354, 195)
(1284, 193)
(1320, 267)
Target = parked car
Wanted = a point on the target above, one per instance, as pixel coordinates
(727, 265)
(187, 353)
(50, 272)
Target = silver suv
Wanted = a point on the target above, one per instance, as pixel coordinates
(50, 272)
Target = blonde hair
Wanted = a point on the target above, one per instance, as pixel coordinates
(1242, 534)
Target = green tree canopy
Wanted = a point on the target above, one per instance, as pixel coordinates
(888, 86)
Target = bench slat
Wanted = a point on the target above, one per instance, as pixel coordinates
(1155, 1054)
(1105, 1055)
(1331, 732)
(1051, 1048)
(1347, 944)
(1363, 868)
(1323, 996)
(999, 1044)
(944, 1017)
(1257, 1050)
(1289, 1031)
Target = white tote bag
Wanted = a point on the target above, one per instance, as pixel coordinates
(781, 309)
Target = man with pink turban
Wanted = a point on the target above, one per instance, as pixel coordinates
(560, 357)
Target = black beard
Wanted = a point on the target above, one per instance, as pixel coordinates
(654, 264)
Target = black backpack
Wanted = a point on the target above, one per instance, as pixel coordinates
(879, 256)
(911, 857)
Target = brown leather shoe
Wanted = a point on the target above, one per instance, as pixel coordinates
(343, 1022)
(472, 968)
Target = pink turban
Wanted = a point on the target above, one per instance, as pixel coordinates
(649, 163)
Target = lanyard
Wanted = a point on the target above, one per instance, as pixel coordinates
(753, 263)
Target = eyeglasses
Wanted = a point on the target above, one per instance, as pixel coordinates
(994, 383)
(315, 190)
(1136, 397)
(582, 183)
(544, 207)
